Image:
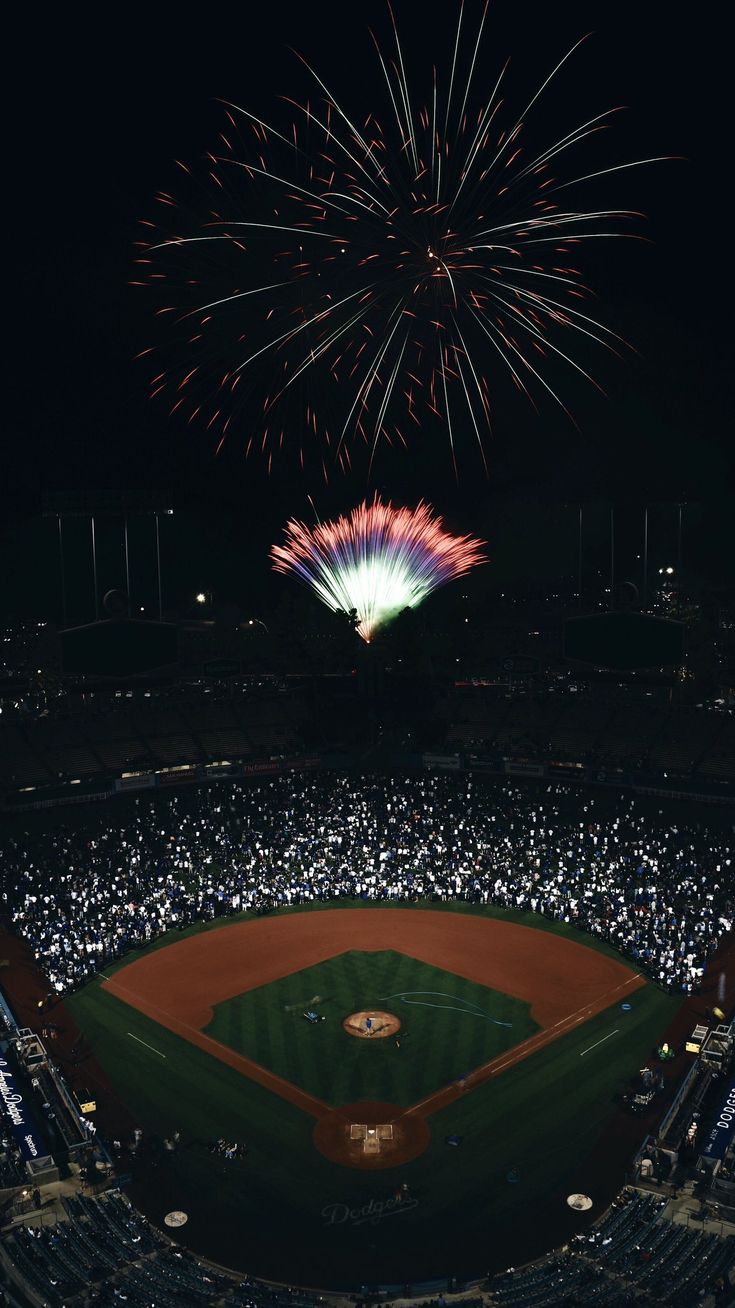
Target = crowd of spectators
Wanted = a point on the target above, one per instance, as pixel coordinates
(635, 1256)
(658, 891)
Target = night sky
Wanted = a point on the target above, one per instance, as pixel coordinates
(101, 108)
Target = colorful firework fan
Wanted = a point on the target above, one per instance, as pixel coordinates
(378, 560)
(419, 265)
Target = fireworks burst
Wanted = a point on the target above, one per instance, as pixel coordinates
(363, 280)
(378, 560)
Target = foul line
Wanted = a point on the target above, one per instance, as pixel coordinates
(318, 1108)
(433, 1102)
(599, 1042)
(278, 1085)
(142, 1042)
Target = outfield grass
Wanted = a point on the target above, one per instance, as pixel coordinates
(271, 1214)
(449, 1027)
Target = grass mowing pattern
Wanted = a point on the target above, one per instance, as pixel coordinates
(449, 1027)
(172, 1085)
(266, 1215)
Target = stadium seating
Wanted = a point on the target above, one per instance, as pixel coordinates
(20, 763)
(639, 734)
(184, 725)
(719, 762)
(202, 722)
(104, 1246)
(632, 1256)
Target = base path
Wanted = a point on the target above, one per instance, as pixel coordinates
(440, 1098)
(179, 986)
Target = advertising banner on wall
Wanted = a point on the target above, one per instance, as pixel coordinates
(716, 1143)
(519, 768)
(141, 781)
(15, 1112)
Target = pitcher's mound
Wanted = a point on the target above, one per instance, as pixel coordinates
(372, 1024)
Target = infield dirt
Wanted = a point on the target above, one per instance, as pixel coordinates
(179, 986)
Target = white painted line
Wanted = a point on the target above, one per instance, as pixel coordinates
(599, 1042)
(142, 1042)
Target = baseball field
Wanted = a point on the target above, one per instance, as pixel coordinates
(418, 1088)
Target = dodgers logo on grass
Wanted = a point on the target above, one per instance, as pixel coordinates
(372, 1213)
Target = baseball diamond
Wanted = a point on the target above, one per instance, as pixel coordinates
(209, 1031)
(367, 660)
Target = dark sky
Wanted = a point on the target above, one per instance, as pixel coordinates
(102, 107)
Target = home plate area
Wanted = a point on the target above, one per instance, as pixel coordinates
(371, 1135)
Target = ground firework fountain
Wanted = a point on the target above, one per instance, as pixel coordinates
(376, 560)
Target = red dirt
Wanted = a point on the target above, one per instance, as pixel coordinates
(383, 1024)
(440, 1098)
(332, 1136)
(548, 971)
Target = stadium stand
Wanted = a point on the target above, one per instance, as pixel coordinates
(19, 763)
(188, 725)
(102, 1251)
(633, 1256)
(620, 877)
(719, 762)
(681, 741)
